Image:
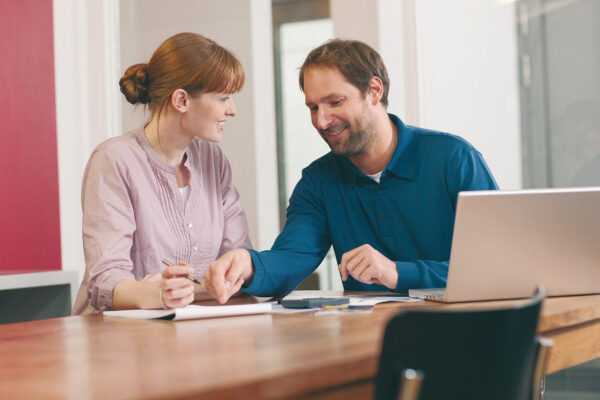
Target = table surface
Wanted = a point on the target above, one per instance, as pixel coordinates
(255, 356)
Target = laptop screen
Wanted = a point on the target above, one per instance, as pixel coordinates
(505, 243)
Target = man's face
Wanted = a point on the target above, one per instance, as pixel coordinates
(339, 111)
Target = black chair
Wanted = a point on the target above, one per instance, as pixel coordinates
(487, 354)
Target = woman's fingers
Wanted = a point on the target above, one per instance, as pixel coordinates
(177, 270)
(177, 291)
(180, 302)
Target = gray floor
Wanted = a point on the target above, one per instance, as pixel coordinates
(577, 383)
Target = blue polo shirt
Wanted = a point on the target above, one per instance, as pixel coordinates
(408, 216)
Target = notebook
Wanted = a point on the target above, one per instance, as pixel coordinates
(193, 312)
(505, 243)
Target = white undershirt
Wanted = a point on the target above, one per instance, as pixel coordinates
(376, 177)
(184, 193)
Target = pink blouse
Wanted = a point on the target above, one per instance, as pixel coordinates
(134, 215)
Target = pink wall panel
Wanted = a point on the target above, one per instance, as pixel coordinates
(29, 210)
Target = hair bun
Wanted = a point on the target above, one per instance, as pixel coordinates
(134, 84)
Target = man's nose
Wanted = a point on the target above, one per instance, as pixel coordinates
(323, 119)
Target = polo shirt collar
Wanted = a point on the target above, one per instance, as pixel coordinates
(402, 163)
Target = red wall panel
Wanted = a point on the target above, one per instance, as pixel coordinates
(29, 210)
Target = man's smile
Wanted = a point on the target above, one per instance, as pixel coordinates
(334, 132)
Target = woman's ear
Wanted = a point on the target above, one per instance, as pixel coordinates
(375, 90)
(179, 100)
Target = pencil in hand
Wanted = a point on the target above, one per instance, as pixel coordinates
(190, 277)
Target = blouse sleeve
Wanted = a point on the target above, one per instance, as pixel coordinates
(108, 227)
(235, 232)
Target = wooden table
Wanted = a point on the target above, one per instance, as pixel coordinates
(260, 356)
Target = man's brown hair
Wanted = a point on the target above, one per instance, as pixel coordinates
(357, 61)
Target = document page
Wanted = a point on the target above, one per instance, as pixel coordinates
(193, 312)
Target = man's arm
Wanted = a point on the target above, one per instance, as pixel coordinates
(296, 253)
(300, 247)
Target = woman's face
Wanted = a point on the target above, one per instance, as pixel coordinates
(207, 113)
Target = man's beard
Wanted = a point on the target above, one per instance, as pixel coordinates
(358, 142)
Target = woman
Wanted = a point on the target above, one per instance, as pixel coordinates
(163, 191)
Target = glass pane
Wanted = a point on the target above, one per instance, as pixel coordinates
(559, 42)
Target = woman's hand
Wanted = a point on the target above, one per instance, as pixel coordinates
(152, 278)
(169, 289)
(175, 289)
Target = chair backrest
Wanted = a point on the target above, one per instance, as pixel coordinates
(487, 354)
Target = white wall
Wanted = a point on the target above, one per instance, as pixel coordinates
(89, 105)
(85, 108)
(452, 66)
(469, 78)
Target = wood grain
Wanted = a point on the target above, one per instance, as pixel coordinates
(261, 356)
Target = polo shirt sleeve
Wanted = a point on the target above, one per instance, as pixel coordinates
(235, 231)
(300, 247)
(421, 274)
(469, 171)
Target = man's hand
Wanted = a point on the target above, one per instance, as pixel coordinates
(226, 274)
(367, 265)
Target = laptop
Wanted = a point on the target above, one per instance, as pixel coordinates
(505, 243)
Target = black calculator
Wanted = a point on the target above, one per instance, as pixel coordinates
(314, 302)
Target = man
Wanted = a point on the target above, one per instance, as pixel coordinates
(384, 197)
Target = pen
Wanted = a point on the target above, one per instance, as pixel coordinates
(190, 277)
(349, 307)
